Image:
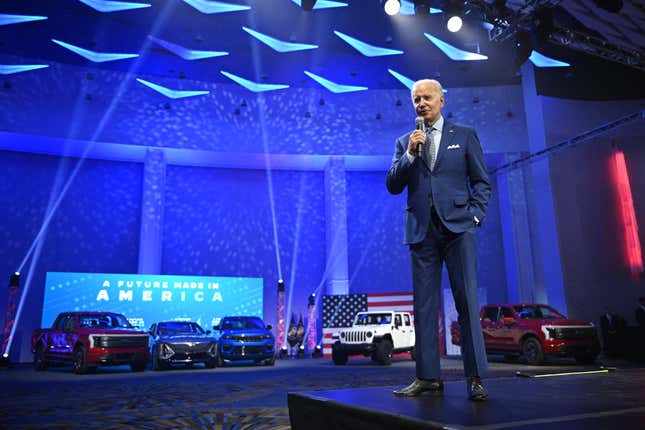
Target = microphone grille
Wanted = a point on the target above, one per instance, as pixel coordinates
(419, 122)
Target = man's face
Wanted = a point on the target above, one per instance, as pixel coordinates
(427, 101)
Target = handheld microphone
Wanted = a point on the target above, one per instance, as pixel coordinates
(419, 125)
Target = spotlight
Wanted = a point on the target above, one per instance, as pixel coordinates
(317, 352)
(280, 286)
(307, 4)
(14, 279)
(454, 23)
(283, 353)
(312, 299)
(301, 351)
(392, 7)
(452, 14)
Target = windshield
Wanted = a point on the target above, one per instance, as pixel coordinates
(179, 328)
(104, 321)
(242, 323)
(373, 319)
(537, 312)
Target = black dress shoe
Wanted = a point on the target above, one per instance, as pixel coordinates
(476, 390)
(420, 386)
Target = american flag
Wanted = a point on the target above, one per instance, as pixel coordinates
(339, 310)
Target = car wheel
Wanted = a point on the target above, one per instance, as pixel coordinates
(157, 362)
(384, 352)
(211, 363)
(532, 351)
(413, 354)
(80, 361)
(270, 361)
(39, 358)
(220, 360)
(337, 356)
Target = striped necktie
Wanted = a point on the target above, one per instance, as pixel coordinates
(432, 149)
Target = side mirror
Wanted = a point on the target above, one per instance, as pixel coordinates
(216, 327)
(269, 327)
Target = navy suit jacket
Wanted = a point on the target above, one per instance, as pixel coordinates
(458, 186)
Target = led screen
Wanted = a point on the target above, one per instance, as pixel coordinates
(146, 299)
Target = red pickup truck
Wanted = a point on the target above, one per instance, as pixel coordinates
(90, 339)
(534, 331)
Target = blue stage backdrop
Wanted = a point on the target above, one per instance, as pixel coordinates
(146, 299)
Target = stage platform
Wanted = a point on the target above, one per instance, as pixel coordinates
(615, 399)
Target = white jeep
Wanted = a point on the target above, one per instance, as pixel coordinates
(375, 334)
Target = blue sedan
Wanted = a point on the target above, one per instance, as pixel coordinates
(244, 338)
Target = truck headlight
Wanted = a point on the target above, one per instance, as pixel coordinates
(368, 334)
(342, 334)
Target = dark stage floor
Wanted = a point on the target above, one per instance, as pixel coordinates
(249, 397)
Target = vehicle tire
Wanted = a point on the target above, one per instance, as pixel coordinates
(80, 361)
(270, 361)
(211, 363)
(138, 365)
(413, 354)
(220, 360)
(40, 363)
(157, 363)
(337, 356)
(532, 351)
(384, 352)
(585, 358)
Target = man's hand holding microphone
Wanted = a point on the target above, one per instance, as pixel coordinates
(417, 139)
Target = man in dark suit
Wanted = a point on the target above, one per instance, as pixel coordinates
(442, 166)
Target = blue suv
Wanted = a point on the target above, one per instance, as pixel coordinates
(244, 338)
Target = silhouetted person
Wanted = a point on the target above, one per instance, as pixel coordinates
(640, 314)
(611, 331)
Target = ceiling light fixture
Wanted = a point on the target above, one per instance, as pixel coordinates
(392, 7)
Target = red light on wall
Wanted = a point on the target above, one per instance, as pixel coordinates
(628, 216)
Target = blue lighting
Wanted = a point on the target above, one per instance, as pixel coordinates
(8, 69)
(332, 86)
(97, 57)
(540, 60)
(403, 79)
(455, 53)
(323, 4)
(253, 86)
(206, 6)
(279, 45)
(173, 94)
(113, 6)
(16, 19)
(406, 81)
(365, 48)
(187, 54)
(407, 8)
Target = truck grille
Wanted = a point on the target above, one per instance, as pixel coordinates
(356, 336)
(120, 341)
(187, 348)
(573, 332)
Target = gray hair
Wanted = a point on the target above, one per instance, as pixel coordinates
(435, 82)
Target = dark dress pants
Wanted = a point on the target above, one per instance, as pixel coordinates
(459, 252)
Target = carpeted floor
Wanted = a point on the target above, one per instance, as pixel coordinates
(232, 398)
